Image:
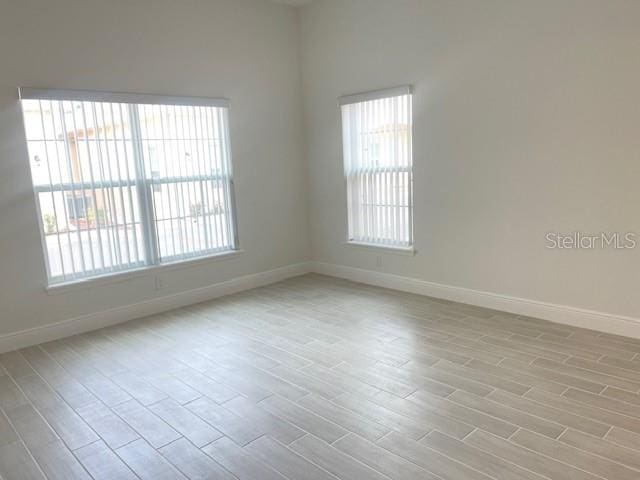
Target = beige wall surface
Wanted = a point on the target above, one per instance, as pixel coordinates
(526, 121)
(244, 50)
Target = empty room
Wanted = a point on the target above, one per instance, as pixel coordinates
(320, 239)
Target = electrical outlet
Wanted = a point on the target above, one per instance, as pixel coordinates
(159, 283)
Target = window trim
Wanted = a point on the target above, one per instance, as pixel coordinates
(152, 264)
(349, 99)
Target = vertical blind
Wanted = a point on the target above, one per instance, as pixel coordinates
(376, 132)
(125, 181)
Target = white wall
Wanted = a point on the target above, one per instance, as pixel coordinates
(527, 120)
(244, 50)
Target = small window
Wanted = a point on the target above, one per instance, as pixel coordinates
(376, 133)
(127, 181)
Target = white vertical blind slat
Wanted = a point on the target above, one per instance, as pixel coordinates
(84, 191)
(161, 114)
(64, 199)
(129, 193)
(225, 169)
(105, 194)
(204, 191)
(117, 210)
(53, 200)
(214, 183)
(73, 190)
(96, 215)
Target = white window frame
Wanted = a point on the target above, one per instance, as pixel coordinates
(408, 249)
(147, 215)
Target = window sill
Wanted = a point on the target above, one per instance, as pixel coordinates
(60, 288)
(407, 251)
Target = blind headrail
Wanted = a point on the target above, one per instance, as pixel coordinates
(375, 95)
(27, 93)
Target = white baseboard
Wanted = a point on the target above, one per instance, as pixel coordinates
(577, 317)
(605, 322)
(92, 321)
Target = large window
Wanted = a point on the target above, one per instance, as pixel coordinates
(127, 181)
(376, 133)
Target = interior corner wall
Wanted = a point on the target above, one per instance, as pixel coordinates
(244, 50)
(526, 121)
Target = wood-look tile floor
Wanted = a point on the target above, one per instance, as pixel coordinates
(319, 378)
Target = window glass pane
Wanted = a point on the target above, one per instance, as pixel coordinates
(378, 169)
(187, 163)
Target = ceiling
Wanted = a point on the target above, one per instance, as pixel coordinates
(294, 3)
